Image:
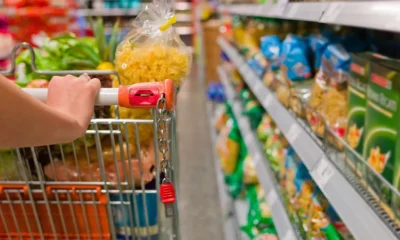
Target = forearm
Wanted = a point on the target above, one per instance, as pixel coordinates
(25, 121)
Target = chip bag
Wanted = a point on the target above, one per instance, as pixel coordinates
(266, 128)
(228, 146)
(249, 171)
(151, 52)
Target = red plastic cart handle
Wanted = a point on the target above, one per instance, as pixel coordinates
(146, 95)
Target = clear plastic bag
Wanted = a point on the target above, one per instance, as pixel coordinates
(151, 52)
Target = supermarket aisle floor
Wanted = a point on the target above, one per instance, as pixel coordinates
(200, 212)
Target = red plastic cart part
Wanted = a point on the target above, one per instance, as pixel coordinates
(146, 95)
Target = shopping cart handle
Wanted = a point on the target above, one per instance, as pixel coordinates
(140, 95)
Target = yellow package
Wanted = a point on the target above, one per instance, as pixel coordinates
(249, 171)
(228, 146)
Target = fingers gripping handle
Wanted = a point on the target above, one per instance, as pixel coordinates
(141, 95)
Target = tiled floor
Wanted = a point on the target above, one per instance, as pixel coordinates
(199, 207)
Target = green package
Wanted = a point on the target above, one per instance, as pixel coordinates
(235, 180)
(358, 83)
(381, 142)
(357, 104)
(255, 112)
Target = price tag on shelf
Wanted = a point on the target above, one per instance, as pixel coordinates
(272, 197)
(289, 235)
(293, 133)
(323, 172)
(268, 101)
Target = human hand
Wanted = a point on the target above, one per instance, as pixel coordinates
(75, 98)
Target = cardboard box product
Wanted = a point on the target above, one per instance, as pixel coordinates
(382, 139)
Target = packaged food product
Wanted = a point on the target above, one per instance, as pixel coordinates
(318, 44)
(270, 48)
(295, 60)
(328, 99)
(266, 128)
(222, 116)
(86, 166)
(249, 171)
(228, 146)
(319, 225)
(294, 67)
(258, 63)
(151, 51)
(254, 111)
(275, 149)
(358, 82)
(259, 219)
(381, 142)
(234, 181)
(299, 94)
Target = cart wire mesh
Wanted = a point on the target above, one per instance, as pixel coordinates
(104, 185)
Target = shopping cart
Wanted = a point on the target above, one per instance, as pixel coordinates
(99, 186)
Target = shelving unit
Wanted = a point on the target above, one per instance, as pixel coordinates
(234, 211)
(265, 176)
(382, 15)
(363, 220)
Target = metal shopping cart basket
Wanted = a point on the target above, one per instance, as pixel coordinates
(99, 186)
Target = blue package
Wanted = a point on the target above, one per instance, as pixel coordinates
(294, 55)
(215, 92)
(139, 212)
(335, 60)
(271, 48)
(318, 45)
(255, 65)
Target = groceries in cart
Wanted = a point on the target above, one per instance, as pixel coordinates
(104, 184)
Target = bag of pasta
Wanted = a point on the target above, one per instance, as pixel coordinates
(329, 93)
(151, 52)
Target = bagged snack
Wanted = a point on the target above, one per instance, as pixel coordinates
(259, 218)
(254, 111)
(222, 116)
(258, 63)
(266, 128)
(228, 146)
(328, 100)
(85, 166)
(270, 48)
(318, 223)
(151, 51)
(235, 180)
(318, 44)
(249, 171)
(275, 149)
(295, 60)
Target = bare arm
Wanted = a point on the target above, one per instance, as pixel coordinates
(25, 121)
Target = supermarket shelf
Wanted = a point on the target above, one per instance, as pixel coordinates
(234, 211)
(380, 15)
(361, 218)
(265, 176)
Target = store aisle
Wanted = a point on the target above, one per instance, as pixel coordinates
(200, 211)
